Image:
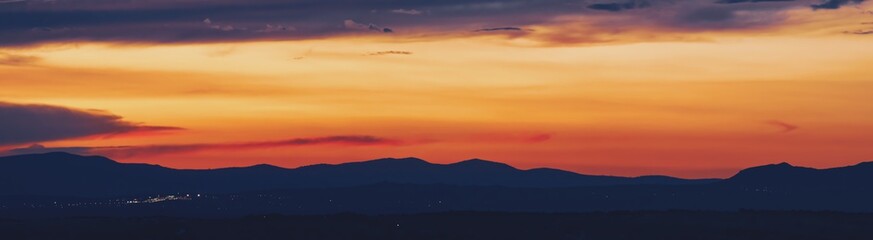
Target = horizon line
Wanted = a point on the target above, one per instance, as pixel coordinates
(427, 162)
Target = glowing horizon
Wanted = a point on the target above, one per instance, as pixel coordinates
(595, 92)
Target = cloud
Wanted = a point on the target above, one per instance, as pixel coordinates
(210, 24)
(270, 28)
(152, 150)
(30, 123)
(351, 24)
(499, 29)
(785, 127)
(539, 138)
(406, 11)
(509, 138)
(860, 32)
(751, 1)
(304, 55)
(12, 4)
(226, 51)
(389, 53)
(834, 4)
(18, 60)
(708, 15)
(187, 21)
(663, 21)
(620, 6)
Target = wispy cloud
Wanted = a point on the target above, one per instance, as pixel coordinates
(785, 127)
(860, 32)
(152, 150)
(539, 138)
(382, 53)
(407, 11)
(351, 24)
(18, 60)
(834, 4)
(510, 138)
(303, 55)
(499, 29)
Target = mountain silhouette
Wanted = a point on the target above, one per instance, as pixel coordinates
(64, 174)
(61, 184)
(785, 176)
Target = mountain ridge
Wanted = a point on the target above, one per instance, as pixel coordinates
(51, 174)
(65, 174)
(405, 185)
(405, 160)
(473, 161)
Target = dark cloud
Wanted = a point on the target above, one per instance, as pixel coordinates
(751, 1)
(25, 124)
(825, 4)
(164, 21)
(151, 150)
(620, 6)
(834, 4)
(668, 20)
(351, 24)
(270, 28)
(785, 127)
(499, 29)
(186, 21)
(18, 60)
(708, 15)
(389, 53)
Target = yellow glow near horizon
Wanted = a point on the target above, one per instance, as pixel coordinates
(695, 109)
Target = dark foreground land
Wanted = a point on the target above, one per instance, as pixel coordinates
(462, 225)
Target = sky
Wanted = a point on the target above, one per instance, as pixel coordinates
(688, 88)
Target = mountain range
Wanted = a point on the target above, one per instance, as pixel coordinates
(64, 174)
(70, 185)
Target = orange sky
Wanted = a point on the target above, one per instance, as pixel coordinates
(651, 101)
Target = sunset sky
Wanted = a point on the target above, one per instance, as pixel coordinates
(689, 88)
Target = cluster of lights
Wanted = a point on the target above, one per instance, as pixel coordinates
(164, 198)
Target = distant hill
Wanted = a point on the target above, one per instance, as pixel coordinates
(60, 184)
(64, 174)
(786, 176)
